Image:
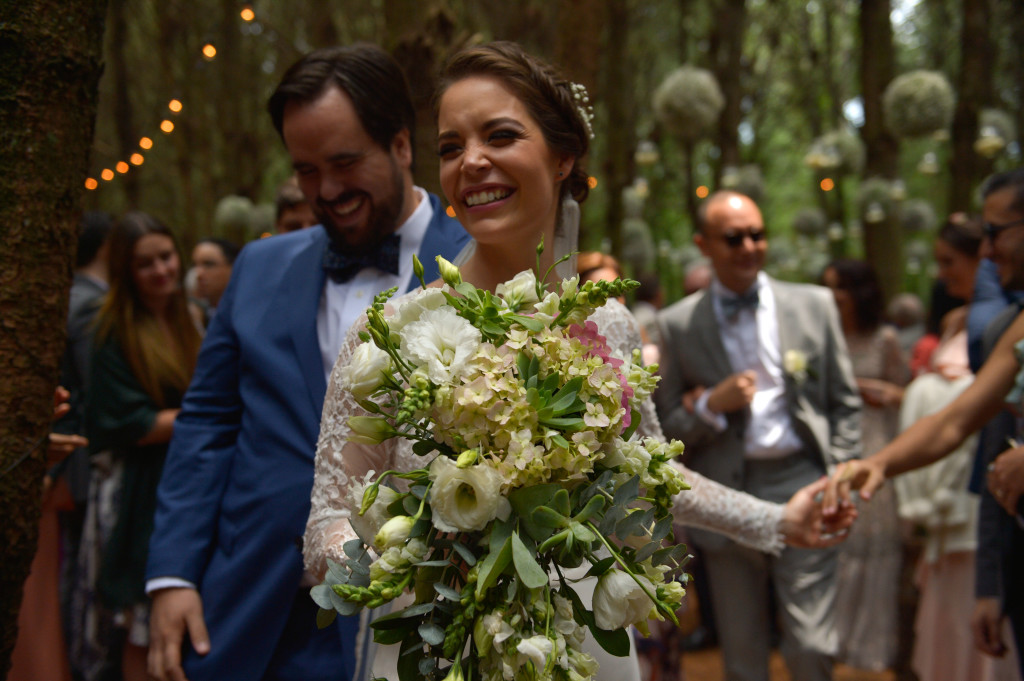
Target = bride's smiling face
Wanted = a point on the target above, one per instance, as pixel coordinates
(497, 171)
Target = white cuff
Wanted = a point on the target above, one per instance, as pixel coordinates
(158, 583)
(716, 421)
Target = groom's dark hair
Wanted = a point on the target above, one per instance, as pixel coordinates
(368, 75)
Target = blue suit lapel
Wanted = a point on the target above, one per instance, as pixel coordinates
(299, 296)
(444, 236)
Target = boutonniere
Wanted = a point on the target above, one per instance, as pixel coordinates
(794, 363)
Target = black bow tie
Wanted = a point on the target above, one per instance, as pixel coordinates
(341, 265)
(732, 305)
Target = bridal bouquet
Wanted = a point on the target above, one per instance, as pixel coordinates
(532, 481)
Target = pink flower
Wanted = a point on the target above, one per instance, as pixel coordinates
(597, 346)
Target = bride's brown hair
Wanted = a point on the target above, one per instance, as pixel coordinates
(547, 95)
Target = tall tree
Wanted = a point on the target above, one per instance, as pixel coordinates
(46, 47)
(621, 138)
(883, 244)
(974, 92)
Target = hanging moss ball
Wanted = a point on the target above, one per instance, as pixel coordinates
(839, 152)
(875, 199)
(638, 247)
(232, 216)
(995, 130)
(810, 222)
(917, 216)
(918, 103)
(688, 102)
(745, 180)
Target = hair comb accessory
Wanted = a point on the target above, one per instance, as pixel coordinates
(583, 106)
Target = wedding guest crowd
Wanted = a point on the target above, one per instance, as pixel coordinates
(182, 538)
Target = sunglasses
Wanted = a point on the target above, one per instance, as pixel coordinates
(992, 231)
(735, 238)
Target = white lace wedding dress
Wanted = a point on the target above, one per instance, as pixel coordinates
(339, 463)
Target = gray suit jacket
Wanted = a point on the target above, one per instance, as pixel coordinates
(824, 403)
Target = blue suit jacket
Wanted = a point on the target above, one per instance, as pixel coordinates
(234, 496)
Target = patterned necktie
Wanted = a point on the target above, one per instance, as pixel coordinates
(341, 265)
(732, 305)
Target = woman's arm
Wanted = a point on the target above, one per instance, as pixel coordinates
(934, 436)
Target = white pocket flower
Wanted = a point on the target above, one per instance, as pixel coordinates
(465, 499)
(394, 532)
(794, 363)
(619, 601)
(363, 373)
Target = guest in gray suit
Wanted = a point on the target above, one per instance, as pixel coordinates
(757, 382)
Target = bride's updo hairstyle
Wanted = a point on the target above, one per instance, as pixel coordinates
(547, 95)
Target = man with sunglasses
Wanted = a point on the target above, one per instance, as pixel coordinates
(756, 380)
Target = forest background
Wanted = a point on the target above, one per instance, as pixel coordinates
(858, 125)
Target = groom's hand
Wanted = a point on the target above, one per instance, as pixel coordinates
(175, 611)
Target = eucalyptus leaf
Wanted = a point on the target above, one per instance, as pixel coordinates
(447, 592)
(353, 548)
(424, 447)
(647, 550)
(630, 525)
(627, 491)
(464, 553)
(431, 633)
(600, 567)
(321, 595)
(427, 666)
(529, 571)
(492, 566)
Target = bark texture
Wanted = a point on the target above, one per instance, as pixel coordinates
(50, 63)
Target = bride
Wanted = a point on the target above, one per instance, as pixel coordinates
(512, 135)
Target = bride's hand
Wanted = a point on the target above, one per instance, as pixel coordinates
(803, 524)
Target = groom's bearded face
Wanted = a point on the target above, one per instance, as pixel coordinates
(355, 186)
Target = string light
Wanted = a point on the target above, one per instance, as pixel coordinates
(91, 183)
(145, 143)
(247, 14)
(209, 51)
(592, 182)
(167, 126)
(107, 174)
(137, 159)
(450, 211)
(121, 167)
(702, 192)
(174, 105)
(827, 184)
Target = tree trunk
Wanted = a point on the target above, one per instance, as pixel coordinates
(124, 119)
(48, 90)
(974, 87)
(883, 242)
(618, 164)
(731, 24)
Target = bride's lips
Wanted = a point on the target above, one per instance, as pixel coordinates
(486, 196)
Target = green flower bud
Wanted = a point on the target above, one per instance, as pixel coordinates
(449, 272)
(370, 430)
(467, 458)
(394, 532)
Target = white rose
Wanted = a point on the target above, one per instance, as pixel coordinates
(368, 525)
(394, 532)
(536, 649)
(363, 373)
(520, 290)
(465, 499)
(619, 601)
(442, 342)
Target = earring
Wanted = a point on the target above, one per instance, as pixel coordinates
(560, 173)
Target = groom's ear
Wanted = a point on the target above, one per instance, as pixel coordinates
(401, 148)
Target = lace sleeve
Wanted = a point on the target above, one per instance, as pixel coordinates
(707, 504)
(339, 463)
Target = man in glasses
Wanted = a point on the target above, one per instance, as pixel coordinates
(757, 382)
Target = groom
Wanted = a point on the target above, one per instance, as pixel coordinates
(757, 382)
(230, 598)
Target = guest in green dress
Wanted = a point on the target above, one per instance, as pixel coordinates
(144, 354)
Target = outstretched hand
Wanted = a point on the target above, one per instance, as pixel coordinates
(863, 474)
(805, 526)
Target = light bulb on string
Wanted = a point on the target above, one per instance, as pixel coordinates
(121, 167)
(137, 159)
(174, 105)
(145, 143)
(209, 51)
(107, 174)
(167, 126)
(247, 14)
(91, 183)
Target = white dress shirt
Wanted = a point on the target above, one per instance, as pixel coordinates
(751, 340)
(341, 304)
